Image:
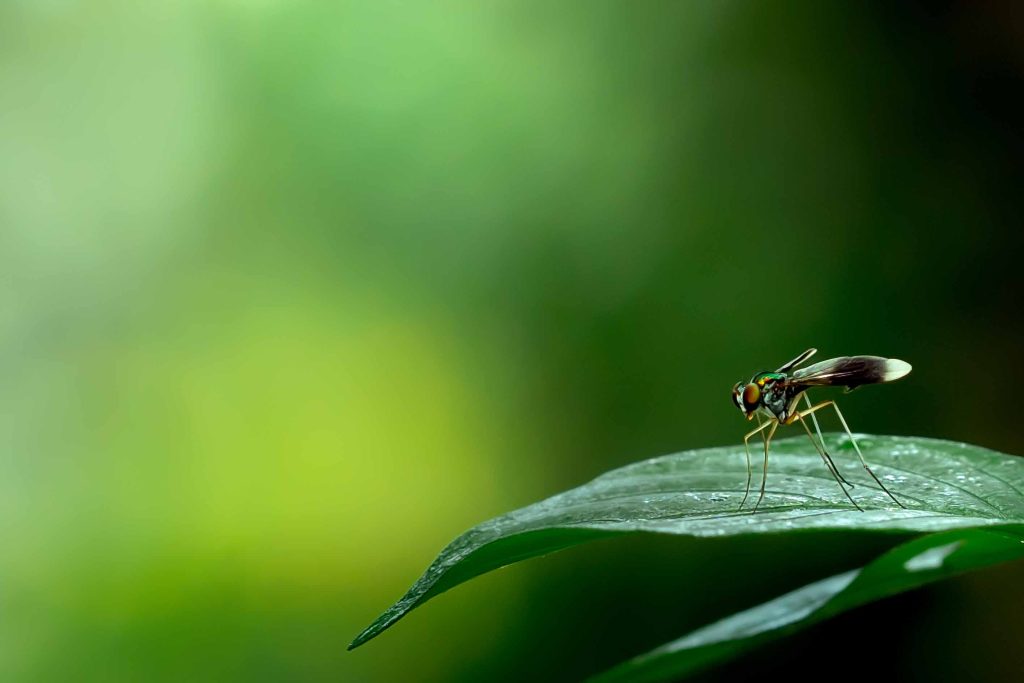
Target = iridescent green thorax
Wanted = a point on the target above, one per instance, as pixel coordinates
(763, 378)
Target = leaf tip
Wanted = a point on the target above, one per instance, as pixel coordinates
(372, 631)
(359, 640)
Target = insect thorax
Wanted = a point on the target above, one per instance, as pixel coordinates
(776, 398)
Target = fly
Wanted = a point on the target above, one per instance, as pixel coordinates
(776, 396)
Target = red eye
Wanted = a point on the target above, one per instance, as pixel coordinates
(751, 394)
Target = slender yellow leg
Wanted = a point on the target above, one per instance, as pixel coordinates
(747, 490)
(764, 477)
(763, 438)
(861, 456)
(821, 439)
(804, 413)
(828, 461)
(746, 446)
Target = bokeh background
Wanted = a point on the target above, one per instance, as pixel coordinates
(293, 292)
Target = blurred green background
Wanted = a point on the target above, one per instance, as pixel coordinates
(293, 292)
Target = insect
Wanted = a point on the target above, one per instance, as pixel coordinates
(776, 396)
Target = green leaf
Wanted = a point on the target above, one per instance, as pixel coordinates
(944, 485)
(908, 566)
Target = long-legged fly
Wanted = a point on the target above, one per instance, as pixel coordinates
(776, 396)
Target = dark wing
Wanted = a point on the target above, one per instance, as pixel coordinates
(798, 360)
(850, 372)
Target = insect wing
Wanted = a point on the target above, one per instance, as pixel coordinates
(850, 372)
(798, 360)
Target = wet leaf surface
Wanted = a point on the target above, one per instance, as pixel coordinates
(944, 485)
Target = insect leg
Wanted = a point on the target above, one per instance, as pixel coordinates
(861, 456)
(824, 451)
(764, 477)
(828, 462)
(746, 491)
(746, 445)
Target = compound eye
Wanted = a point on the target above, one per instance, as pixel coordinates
(751, 395)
